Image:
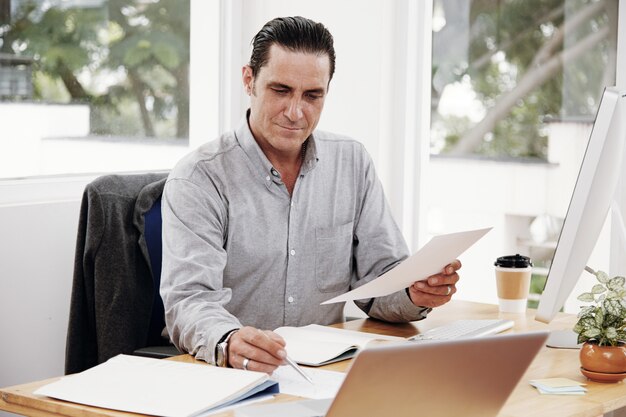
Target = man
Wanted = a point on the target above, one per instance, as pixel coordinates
(265, 223)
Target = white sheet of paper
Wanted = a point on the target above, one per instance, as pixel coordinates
(325, 383)
(429, 260)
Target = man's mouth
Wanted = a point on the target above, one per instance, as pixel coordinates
(292, 128)
(287, 127)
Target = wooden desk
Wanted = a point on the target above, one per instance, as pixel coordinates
(525, 401)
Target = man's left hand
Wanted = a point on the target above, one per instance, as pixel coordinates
(437, 289)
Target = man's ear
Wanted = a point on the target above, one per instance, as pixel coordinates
(247, 78)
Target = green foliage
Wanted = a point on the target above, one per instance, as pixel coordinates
(58, 38)
(605, 320)
(502, 43)
(517, 135)
(453, 126)
(537, 284)
(148, 49)
(124, 52)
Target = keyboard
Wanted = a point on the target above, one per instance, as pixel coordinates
(463, 329)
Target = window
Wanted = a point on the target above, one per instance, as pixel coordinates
(502, 69)
(93, 85)
(515, 89)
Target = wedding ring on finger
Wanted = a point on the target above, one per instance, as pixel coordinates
(246, 361)
(449, 290)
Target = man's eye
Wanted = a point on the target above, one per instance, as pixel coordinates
(314, 96)
(280, 90)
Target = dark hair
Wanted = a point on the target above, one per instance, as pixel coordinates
(297, 34)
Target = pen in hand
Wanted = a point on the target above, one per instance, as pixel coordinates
(294, 365)
(299, 370)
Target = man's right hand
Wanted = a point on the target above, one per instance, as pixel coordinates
(264, 349)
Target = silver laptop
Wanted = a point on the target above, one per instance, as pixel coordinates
(466, 377)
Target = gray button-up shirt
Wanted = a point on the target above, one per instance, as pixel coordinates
(239, 250)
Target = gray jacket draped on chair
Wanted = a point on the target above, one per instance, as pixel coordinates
(112, 292)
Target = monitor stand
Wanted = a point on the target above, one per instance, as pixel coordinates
(563, 339)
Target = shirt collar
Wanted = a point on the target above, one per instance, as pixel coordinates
(310, 156)
(262, 165)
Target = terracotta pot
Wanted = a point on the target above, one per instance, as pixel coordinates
(603, 359)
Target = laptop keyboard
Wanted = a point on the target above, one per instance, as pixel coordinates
(463, 329)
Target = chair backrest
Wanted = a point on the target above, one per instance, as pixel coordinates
(152, 234)
(157, 345)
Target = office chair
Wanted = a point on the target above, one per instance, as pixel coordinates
(115, 305)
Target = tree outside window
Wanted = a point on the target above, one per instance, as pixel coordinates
(127, 60)
(501, 68)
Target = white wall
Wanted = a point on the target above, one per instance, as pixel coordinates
(38, 226)
(36, 254)
(567, 148)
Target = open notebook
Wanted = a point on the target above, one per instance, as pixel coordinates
(158, 387)
(316, 345)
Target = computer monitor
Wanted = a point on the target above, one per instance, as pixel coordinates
(591, 199)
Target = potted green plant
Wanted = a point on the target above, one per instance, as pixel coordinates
(601, 328)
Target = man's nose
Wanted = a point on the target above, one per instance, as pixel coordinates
(294, 110)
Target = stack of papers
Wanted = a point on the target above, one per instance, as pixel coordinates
(559, 386)
(159, 387)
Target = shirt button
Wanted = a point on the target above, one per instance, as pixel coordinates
(292, 252)
(290, 299)
(291, 204)
(274, 172)
(267, 178)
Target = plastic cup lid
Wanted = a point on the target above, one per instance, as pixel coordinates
(513, 261)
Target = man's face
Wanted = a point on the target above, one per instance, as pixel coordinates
(286, 99)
